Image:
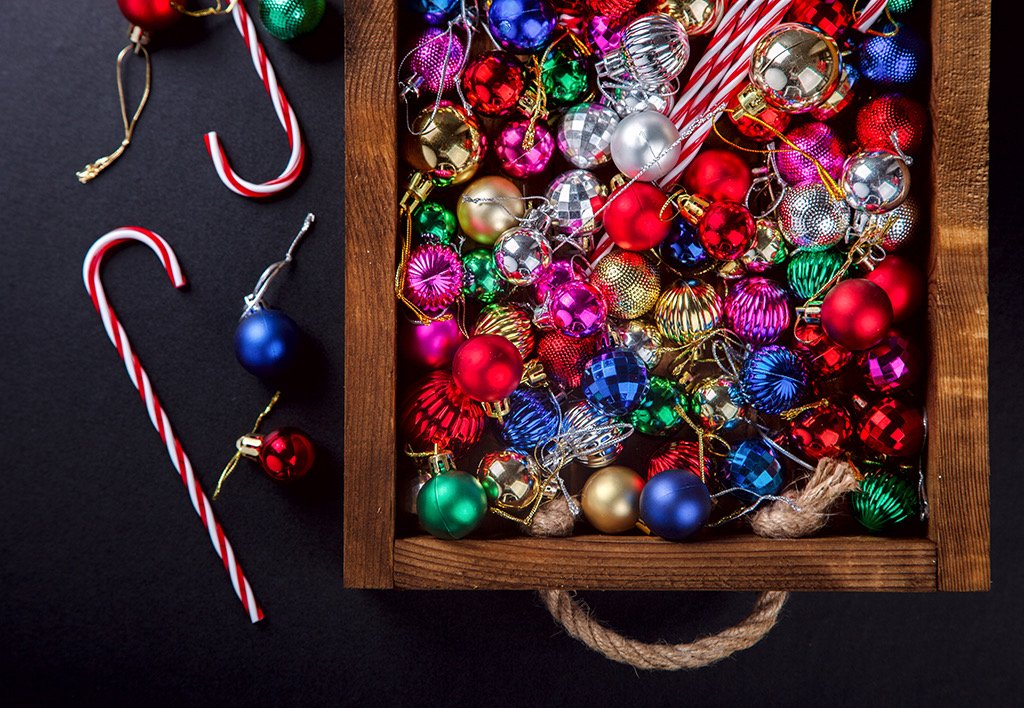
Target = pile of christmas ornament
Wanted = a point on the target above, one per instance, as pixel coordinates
(650, 265)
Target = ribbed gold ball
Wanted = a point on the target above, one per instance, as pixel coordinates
(611, 499)
(688, 309)
(629, 281)
(507, 321)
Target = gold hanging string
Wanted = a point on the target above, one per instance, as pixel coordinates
(89, 172)
(540, 104)
(403, 265)
(233, 462)
(703, 448)
(793, 413)
(218, 9)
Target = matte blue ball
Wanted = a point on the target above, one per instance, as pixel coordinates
(533, 418)
(521, 26)
(893, 61)
(674, 504)
(681, 249)
(615, 382)
(754, 467)
(773, 379)
(267, 343)
(433, 12)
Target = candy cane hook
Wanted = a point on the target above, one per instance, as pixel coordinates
(157, 415)
(285, 114)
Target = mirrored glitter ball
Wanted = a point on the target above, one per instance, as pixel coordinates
(892, 427)
(615, 382)
(753, 466)
(892, 365)
(876, 181)
(576, 195)
(820, 145)
(810, 218)
(585, 134)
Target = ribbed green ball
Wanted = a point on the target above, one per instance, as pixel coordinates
(809, 270)
(434, 223)
(884, 500)
(451, 505)
(482, 278)
(287, 19)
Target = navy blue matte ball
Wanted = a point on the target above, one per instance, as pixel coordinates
(681, 249)
(267, 343)
(674, 504)
(521, 26)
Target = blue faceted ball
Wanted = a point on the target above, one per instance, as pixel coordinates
(681, 249)
(532, 419)
(674, 504)
(521, 26)
(773, 379)
(267, 343)
(893, 61)
(753, 467)
(433, 12)
(615, 382)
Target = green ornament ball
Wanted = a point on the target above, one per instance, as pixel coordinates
(565, 76)
(434, 223)
(884, 500)
(287, 19)
(898, 7)
(451, 505)
(658, 413)
(808, 271)
(483, 281)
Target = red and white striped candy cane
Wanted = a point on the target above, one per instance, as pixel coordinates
(867, 16)
(157, 415)
(285, 114)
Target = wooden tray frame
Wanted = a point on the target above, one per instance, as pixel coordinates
(953, 556)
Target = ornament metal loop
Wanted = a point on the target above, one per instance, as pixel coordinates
(254, 300)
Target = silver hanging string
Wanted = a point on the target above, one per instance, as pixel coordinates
(767, 182)
(254, 300)
(762, 431)
(760, 499)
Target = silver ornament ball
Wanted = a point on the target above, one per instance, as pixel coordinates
(899, 224)
(795, 67)
(719, 403)
(576, 196)
(583, 417)
(811, 218)
(646, 139)
(585, 134)
(653, 52)
(876, 181)
(639, 337)
(520, 255)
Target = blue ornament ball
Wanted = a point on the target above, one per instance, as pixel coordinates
(615, 382)
(773, 379)
(893, 61)
(681, 249)
(674, 504)
(433, 12)
(521, 26)
(754, 467)
(267, 343)
(533, 418)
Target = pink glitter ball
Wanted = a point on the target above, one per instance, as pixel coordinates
(605, 34)
(517, 160)
(428, 59)
(577, 309)
(820, 142)
(433, 277)
(758, 310)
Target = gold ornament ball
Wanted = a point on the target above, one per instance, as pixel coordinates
(795, 67)
(642, 338)
(488, 207)
(611, 499)
(629, 281)
(697, 16)
(687, 310)
(449, 147)
(769, 249)
(507, 321)
(508, 479)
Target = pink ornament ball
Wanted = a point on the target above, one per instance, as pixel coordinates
(431, 345)
(577, 309)
(820, 142)
(438, 57)
(515, 158)
(757, 310)
(433, 278)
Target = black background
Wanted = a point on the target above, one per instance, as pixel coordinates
(109, 588)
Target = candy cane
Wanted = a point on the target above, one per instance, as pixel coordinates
(285, 114)
(867, 16)
(116, 333)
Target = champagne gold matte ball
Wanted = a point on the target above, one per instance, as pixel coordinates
(611, 499)
(488, 207)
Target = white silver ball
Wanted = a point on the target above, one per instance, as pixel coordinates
(811, 218)
(520, 255)
(646, 139)
(576, 196)
(582, 417)
(875, 182)
(585, 134)
(900, 223)
(635, 98)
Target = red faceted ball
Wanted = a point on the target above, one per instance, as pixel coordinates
(613, 9)
(487, 367)
(150, 15)
(726, 230)
(892, 112)
(892, 365)
(564, 358)
(892, 427)
(856, 314)
(493, 83)
(830, 16)
(770, 123)
(903, 282)
(636, 217)
(718, 175)
(435, 412)
(286, 454)
(679, 455)
(821, 432)
(822, 356)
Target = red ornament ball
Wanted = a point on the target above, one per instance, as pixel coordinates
(718, 175)
(892, 427)
(493, 83)
(726, 231)
(856, 314)
(822, 356)
(564, 358)
(636, 217)
(770, 123)
(150, 15)
(903, 282)
(821, 432)
(679, 455)
(892, 365)
(286, 454)
(892, 112)
(435, 412)
(830, 16)
(613, 9)
(487, 367)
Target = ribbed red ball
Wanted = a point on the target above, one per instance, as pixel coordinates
(726, 230)
(856, 314)
(821, 432)
(435, 412)
(718, 175)
(903, 282)
(636, 217)
(487, 367)
(564, 358)
(880, 117)
(678, 455)
(150, 15)
(892, 427)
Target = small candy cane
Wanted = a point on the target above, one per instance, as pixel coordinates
(157, 415)
(868, 16)
(285, 114)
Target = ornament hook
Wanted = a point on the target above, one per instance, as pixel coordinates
(254, 300)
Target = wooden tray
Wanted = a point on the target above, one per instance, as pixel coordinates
(953, 556)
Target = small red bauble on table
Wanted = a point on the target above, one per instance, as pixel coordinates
(726, 231)
(903, 282)
(856, 314)
(487, 368)
(283, 454)
(636, 217)
(718, 175)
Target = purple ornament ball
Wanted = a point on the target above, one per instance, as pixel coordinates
(433, 277)
(758, 310)
(438, 57)
(577, 309)
(431, 345)
(516, 159)
(554, 275)
(820, 142)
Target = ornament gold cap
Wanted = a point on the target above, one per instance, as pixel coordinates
(249, 445)
(417, 189)
(692, 207)
(751, 103)
(497, 409)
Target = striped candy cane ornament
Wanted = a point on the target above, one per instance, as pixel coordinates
(285, 114)
(871, 12)
(157, 415)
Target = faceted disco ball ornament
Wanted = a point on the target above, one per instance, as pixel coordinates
(757, 310)
(821, 355)
(773, 379)
(436, 58)
(585, 134)
(719, 403)
(639, 337)
(821, 146)
(883, 501)
(577, 196)
(687, 310)
(811, 218)
(615, 382)
(520, 155)
(795, 67)
(630, 283)
(433, 277)
(533, 418)
(894, 60)
(521, 254)
(436, 412)
(508, 479)
(892, 365)
(753, 468)
(892, 427)
(287, 19)
(593, 428)
(493, 83)
(508, 321)
(822, 431)
(659, 412)
(876, 182)
(605, 34)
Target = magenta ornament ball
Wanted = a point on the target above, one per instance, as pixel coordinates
(577, 309)
(757, 310)
(438, 57)
(518, 160)
(431, 345)
(819, 141)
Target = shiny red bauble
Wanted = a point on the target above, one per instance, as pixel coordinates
(880, 117)
(892, 427)
(564, 358)
(679, 455)
(893, 364)
(487, 367)
(903, 282)
(718, 175)
(613, 9)
(856, 314)
(822, 356)
(822, 431)
(636, 217)
(286, 454)
(830, 16)
(493, 83)
(435, 412)
(726, 231)
(768, 125)
(150, 15)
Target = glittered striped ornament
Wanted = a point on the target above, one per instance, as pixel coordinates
(883, 501)
(508, 321)
(687, 310)
(757, 310)
(584, 417)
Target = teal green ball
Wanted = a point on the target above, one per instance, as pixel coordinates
(287, 19)
(883, 501)
(451, 505)
(808, 271)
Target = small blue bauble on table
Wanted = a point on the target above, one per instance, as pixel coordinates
(674, 504)
(267, 343)
(433, 12)
(681, 249)
(521, 26)
(533, 418)
(773, 379)
(893, 61)
(754, 467)
(615, 382)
